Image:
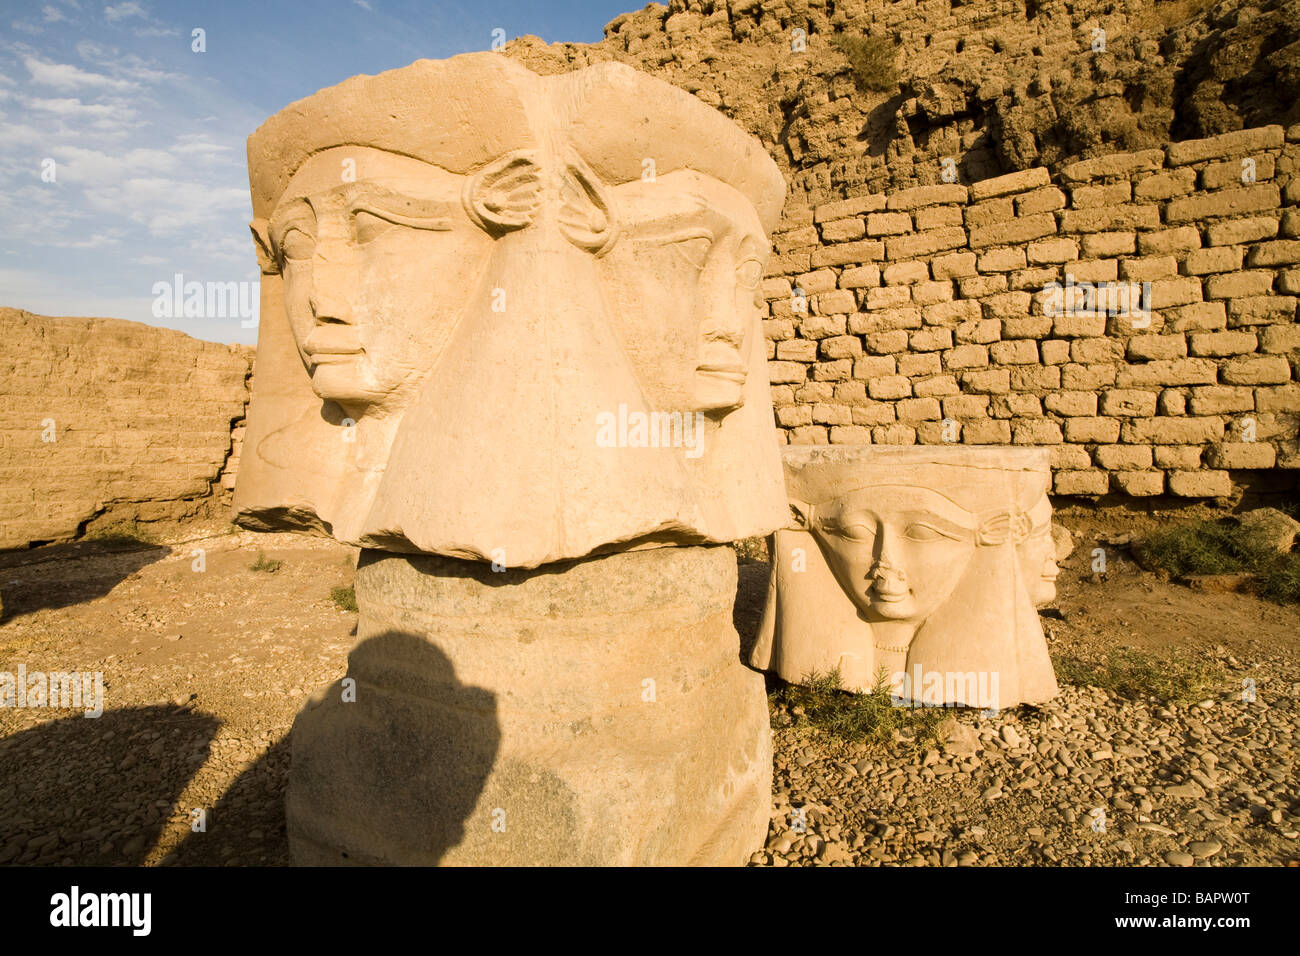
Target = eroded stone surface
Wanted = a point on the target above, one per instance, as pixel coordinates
(511, 318)
(594, 712)
(919, 565)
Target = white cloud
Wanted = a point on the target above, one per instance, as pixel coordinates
(121, 66)
(364, 5)
(66, 76)
(14, 133)
(94, 167)
(124, 10)
(52, 14)
(71, 106)
(167, 206)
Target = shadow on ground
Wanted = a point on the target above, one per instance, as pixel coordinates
(52, 577)
(97, 791)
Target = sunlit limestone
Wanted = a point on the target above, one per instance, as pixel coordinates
(918, 566)
(511, 326)
(471, 295)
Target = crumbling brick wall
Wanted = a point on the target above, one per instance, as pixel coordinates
(107, 415)
(935, 314)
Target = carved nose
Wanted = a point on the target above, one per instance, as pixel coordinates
(329, 302)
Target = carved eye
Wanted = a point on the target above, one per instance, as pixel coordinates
(368, 227)
(297, 244)
(694, 250)
(748, 273)
(924, 532)
(853, 530)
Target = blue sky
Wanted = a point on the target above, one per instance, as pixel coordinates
(122, 149)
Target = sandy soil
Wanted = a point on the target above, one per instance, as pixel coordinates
(204, 671)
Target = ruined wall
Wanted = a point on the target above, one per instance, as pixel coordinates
(108, 416)
(929, 314)
(994, 85)
(1026, 142)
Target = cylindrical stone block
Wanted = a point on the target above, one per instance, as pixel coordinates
(587, 712)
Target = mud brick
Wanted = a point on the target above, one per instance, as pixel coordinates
(1016, 182)
(1200, 484)
(1242, 201)
(1178, 457)
(1213, 259)
(1255, 454)
(1036, 431)
(1181, 239)
(888, 224)
(844, 208)
(1236, 143)
(1255, 370)
(1083, 482)
(1122, 457)
(1033, 378)
(938, 386)
(1237, 231)
(896, 434)
(1171, 431)
(1085, 429)
(956, 265)
(1222, 343)
(1139, 484)
(986, 431)
(842, 230)
(1147, 347)
(966, 356)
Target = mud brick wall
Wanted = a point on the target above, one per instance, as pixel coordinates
(891, 313)
(141, 419)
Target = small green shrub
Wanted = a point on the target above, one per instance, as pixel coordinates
(1135, 675)
(1224, 547)
(122, 532)
(872, 718)
(263, 563)
(874, 61)
(751, 549)
(344, 598)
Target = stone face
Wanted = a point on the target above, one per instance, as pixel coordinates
(497, 341)
(588, 369)
(926, 562)
(556, 717)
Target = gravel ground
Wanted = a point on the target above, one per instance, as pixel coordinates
(204, 673)
(1088, 779)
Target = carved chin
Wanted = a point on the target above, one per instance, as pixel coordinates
(343, 382)
(715, 391)
(902, 609)
(893, 610)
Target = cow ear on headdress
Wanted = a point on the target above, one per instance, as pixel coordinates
(262, 241)
(802, 514)
(995, 527)
(504, 194)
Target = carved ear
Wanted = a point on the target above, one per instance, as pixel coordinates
(995, 527)
(803, 514)
(504, 194)
(586, 217)
(262, 240)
